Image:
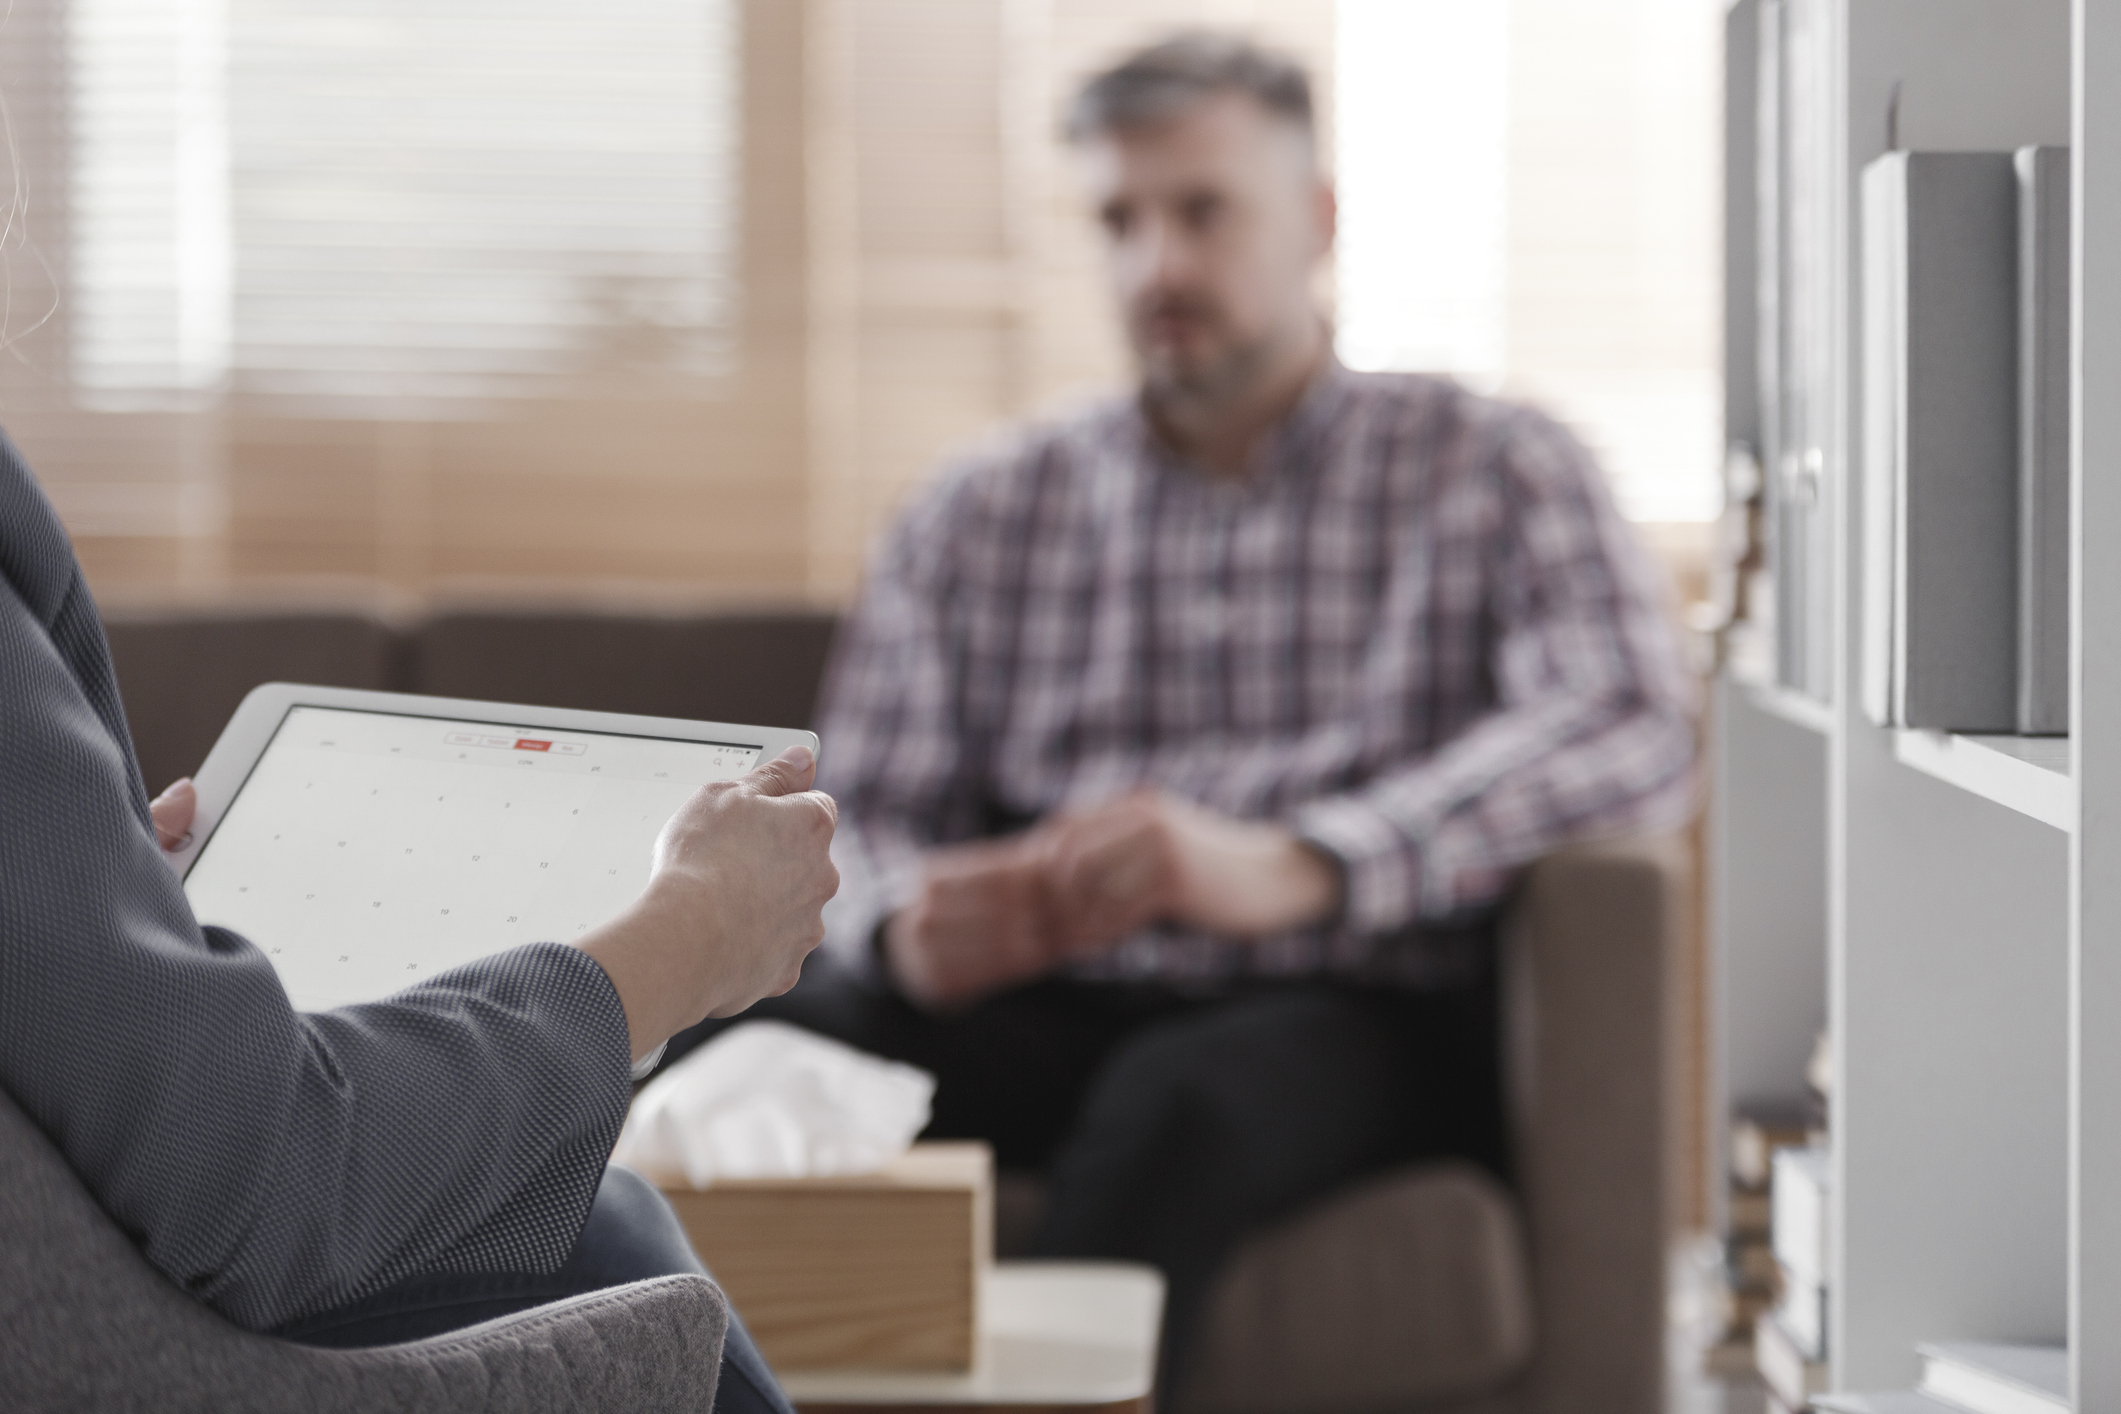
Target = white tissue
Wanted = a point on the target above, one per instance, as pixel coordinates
(769, 1100)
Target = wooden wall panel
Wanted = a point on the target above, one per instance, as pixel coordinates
(303, 497)
(917, 272)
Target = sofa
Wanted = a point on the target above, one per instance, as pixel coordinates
(1433, 1288)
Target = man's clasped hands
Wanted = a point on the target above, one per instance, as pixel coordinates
(995, 913)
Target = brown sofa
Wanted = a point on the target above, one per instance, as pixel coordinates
(1430, 1289)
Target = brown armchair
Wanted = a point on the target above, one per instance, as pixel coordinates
(1434, 1288)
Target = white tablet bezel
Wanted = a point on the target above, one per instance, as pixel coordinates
(255, 723)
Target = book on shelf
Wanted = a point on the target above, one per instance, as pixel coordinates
(1819, 1071)
(1992, 1378)
(1768, 290)
(1759, 1130)
(1790, 1375)
(1882, 234)
(1750, 1213)
(1940, 438)
(1794, 315)
(2043, 440)
(1801, 1312)
(1729, 1359)
(1799, 1225)
(1799, 1233)
(1752, 1264)
(1745, 1307)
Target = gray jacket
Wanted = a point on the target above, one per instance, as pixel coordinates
(272, 1163)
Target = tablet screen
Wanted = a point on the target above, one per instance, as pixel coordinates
(369, 850)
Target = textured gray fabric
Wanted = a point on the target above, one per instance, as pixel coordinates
(270, 1163)
(86, 1324)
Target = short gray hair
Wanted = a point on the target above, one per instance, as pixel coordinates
(1172, 75)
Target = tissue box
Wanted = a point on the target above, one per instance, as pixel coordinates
(878, 1271)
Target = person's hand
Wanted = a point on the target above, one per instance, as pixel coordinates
(734, 902)
(982, 921)
(1148, 857)
(173, 811)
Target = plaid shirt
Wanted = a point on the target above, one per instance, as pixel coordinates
(1419, 634)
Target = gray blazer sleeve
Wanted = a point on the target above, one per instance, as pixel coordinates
(272, 1163)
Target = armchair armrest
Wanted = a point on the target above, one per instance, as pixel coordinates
(1587, 981)
(650, 1345)
(87, 1323)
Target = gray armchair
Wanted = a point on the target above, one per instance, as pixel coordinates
(87, 1324)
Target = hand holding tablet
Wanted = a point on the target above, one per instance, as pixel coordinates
(367, 840)
(742, 876)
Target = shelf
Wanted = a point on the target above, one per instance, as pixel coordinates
(1987, 1374)
(2028, 774)
(1797, 708)
(1896, 1402)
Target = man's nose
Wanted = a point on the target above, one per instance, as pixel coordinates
(1164, 259)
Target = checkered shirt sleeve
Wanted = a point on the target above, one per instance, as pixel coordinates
(1589, 730)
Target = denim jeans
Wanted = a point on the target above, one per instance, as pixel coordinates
(631, 1235)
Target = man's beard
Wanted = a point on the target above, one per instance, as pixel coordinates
(1230, 370)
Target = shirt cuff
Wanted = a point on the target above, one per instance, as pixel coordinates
(1380, 866)
(851, 928)
(875, 882)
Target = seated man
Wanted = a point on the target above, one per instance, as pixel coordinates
(1184, 747)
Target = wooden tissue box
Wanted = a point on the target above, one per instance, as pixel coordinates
(878, 1271)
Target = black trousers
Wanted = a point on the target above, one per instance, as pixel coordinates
(1171, 1125)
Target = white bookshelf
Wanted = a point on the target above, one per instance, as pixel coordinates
(1967, 889)
(2093, 898)
(2028, 774)
(1767, 893)
(1799, 709)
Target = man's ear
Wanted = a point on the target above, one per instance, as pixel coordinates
(1325, 203)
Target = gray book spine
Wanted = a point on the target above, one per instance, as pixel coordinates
(1770, 155)
(1884, 240)
(2043, 440)
(1955, 630)
(1741, 219)
(1796, 259)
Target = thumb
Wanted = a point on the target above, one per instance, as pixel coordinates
(172, 811)
(789, 773)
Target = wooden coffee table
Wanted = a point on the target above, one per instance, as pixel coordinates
(1054, 1336)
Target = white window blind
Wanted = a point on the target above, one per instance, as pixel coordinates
(1423, 163)
(146, 124)
(1528, 197)
(403, 202)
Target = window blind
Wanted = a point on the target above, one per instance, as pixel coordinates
(402, 203)
(149, 198)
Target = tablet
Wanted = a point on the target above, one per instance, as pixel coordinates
(367, 840)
